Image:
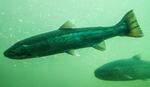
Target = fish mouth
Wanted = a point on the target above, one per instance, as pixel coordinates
(10, 54)
(98, 74)
(13, 55)
(101, 75)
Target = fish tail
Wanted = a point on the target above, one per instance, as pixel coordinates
(132, 25)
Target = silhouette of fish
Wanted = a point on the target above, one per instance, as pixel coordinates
(67, 39)
(124, 70)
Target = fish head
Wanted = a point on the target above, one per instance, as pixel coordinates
(104, 74)
(111, 72)
(17, 51)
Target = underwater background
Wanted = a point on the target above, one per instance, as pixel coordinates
(20, 19)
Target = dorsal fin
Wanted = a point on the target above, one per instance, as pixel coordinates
(137, 57)
(101, 46)
(67, 25)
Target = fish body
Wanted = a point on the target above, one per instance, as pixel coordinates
(124, 70)
(67, 39)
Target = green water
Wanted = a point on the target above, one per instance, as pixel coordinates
(20, 19)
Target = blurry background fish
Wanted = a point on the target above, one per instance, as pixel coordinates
(124, 70)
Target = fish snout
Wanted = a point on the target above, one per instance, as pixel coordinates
(98, 74)
(9, 54)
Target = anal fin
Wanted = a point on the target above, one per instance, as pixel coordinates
(101, 46)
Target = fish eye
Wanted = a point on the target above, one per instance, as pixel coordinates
(26, 54)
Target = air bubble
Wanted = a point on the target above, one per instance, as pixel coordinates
(2, 13)
(24, 62)
(48, 15)
(10, 29)
(14, 65)
(11, 35)
(20, 20)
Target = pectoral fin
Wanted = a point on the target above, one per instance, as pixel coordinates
(67, 25)
(72, 52)
(128, 77)
(100, 46)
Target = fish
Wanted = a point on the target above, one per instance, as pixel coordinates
(68, 38)
(128, 69)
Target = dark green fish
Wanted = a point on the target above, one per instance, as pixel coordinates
(124, 70)
(67, 39)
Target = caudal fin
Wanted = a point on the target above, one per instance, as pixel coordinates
(132, 25)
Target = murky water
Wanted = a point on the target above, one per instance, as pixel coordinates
(20, 19)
